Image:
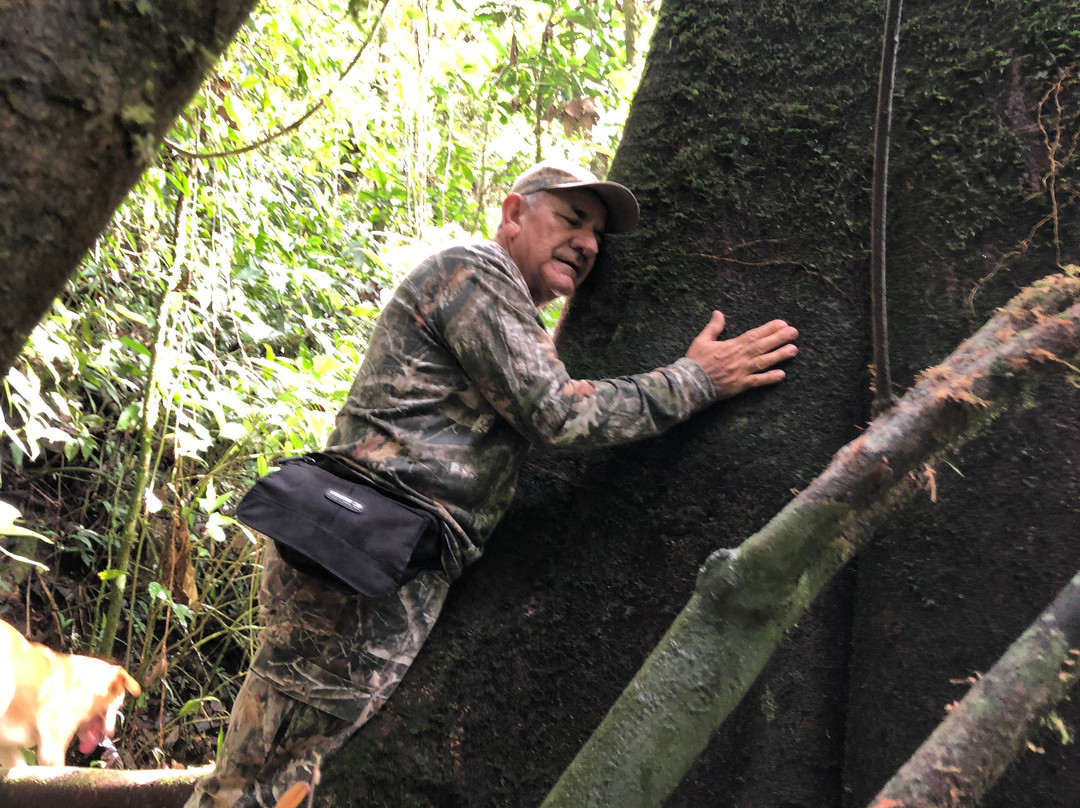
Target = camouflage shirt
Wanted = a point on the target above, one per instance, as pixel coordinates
(461, 377)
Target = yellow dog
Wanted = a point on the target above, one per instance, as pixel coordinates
(47, 698)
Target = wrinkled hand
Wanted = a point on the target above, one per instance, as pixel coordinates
(745, 361)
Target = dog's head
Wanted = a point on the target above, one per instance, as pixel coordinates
(107, 685)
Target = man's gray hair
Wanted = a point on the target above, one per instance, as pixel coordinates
(532, 199)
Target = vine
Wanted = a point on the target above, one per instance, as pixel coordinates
(1060, 147)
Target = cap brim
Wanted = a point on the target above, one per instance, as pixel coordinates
(621, 204)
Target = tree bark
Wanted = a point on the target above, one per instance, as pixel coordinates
(87, 90)
(747, 598)
(988, 730)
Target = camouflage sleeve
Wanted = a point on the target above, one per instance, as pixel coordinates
(491, 326)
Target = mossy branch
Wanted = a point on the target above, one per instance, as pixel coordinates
(747, 598)
(988, 729)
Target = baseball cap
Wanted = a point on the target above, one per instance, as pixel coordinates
(622, 206)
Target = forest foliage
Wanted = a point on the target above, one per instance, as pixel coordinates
(216, 325)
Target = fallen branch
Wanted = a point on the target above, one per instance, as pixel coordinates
(747, 598)
(52, 786)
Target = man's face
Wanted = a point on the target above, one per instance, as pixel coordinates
(554, 243)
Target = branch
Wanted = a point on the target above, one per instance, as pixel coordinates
(747, 598)
(986, 731)
(50, 786)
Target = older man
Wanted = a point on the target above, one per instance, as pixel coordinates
(459, 380)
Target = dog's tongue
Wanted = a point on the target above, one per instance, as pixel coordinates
(88, 744)
(91, 736)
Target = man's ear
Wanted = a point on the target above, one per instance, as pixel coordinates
(513, 208)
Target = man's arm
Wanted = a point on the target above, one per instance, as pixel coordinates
(746, 361)
(489, 324)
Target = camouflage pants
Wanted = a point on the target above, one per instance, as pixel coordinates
(328, 660)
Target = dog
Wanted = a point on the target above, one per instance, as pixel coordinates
(47, 698)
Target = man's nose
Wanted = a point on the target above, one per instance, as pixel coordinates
(587, 243)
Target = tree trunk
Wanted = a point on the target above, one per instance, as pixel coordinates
(87, 90)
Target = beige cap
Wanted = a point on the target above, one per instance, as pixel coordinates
(622, 206)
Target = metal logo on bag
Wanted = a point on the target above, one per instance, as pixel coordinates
(344, 500)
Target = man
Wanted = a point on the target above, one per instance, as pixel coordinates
(459, 380)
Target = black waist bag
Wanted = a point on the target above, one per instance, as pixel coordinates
(329, 522)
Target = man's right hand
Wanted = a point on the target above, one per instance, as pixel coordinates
(746, 361)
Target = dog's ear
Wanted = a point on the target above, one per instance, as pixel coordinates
(124, 681)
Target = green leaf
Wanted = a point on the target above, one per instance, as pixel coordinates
(136, 346)
(23, 559)
(191, 706)
(130, 417)
(127, 313)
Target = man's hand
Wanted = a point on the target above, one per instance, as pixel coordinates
(745, 361)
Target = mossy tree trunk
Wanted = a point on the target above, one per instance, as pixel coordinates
(749, 147)
(747, 598)
(87, 90)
